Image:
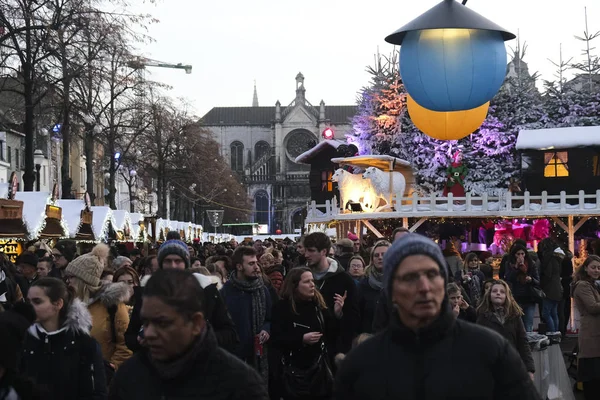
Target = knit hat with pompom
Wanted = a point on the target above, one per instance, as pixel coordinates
(88, 267)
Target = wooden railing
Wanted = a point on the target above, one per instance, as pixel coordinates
(435, 205)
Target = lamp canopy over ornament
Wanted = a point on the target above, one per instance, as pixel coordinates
(451, 59)
(449, 14)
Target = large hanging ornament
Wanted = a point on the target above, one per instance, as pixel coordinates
(451, 59)
(452, 69)
(452, 125)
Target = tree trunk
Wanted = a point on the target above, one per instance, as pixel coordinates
(89, 162)
(67, 182)
(29, 126)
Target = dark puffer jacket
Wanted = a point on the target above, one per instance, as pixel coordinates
(66, 364)
(513, 331)
(214, 374)
(368, 297)
(450, 359)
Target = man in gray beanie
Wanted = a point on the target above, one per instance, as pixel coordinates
(173, 254)
(425, 353)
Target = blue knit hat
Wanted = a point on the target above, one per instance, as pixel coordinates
(176, 247)
(410, 245)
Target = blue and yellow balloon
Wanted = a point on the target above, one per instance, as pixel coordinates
(451, 125)
(452, 69)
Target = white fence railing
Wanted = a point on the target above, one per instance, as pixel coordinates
(506, 205)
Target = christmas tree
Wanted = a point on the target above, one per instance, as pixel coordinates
(376, 126)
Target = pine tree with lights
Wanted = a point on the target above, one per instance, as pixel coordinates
(376, 126)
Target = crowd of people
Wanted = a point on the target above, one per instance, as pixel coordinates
(399, 318)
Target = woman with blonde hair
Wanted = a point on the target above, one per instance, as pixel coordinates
(302, 329)
(586, 293)
(369, 288)
(500, 312)
(105, 302)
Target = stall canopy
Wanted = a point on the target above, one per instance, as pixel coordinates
(103, 223)
(42, 217)
(137, 226)
(77, 219)
(122, 225)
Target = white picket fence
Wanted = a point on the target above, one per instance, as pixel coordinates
(505, 205)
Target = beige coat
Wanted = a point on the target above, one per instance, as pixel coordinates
(111, 294)
(587, 300)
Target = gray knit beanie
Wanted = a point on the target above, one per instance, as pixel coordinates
(176, 247)
(410, 245)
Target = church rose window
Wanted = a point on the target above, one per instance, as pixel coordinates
(299, 142)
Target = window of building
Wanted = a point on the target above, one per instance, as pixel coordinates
(237, 156)
(260, 149)
(9, 154)
(17, 164)
(44, 175)
(556, 164)
(596, 165)
(326, 182)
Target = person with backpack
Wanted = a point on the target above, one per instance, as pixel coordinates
(106, 302)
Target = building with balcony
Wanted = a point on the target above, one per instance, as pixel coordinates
(261, 144)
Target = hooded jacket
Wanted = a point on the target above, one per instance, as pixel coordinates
(111, 295)
(587, 299)
(66, 364)
(213, 374)
(214, 311)
(337, 281)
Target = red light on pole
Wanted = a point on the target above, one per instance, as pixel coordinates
(328, 133)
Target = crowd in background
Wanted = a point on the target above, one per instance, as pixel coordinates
(276, 319)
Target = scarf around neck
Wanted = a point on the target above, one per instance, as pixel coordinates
(171, 369)
(375, 278)
(259, 311)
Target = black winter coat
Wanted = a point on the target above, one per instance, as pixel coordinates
(449, 360)
(368, 297)
(513, 330)
(550, 277)
(66, 365)
(215, 313)
(338, 281)
(288, 329)
(522, 290)
(215, 374)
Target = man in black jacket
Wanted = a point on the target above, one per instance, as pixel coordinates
(173, 254)
(425, 352)
(182, 359)
(333, 282)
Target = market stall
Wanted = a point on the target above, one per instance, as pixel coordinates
(103, 223)
(123, 226)
(78, 218)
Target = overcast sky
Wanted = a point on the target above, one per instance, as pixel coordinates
(231, 43)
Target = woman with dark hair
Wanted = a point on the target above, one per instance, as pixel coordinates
(369, 288)
(58, 352)
(471, 278)
(522, 276)
(302, 327)
(128, 276)
(586, 294)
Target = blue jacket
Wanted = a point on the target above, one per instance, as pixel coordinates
(239, 304)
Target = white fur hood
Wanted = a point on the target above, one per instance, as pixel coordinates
(112, 294)
(79, 320)
(202, 279)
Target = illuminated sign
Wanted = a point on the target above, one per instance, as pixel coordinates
(11, 248)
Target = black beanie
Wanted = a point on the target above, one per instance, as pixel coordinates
(68, 248)
(28, 258)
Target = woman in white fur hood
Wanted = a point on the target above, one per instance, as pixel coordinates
(58, 352)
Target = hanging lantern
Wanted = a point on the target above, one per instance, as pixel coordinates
(452, 125)
(451, 59)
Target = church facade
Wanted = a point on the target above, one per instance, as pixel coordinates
(261, 145)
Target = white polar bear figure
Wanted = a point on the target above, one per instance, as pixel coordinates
(380, 181)
(354, 188)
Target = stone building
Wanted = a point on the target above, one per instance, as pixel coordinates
(262, 143)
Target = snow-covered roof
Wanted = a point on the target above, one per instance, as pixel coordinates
(559, 138)
(71, 214)
(309, 154)
(136, 219)
(102, 216)
(378, 161)
(121, 218)
(34, 210)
